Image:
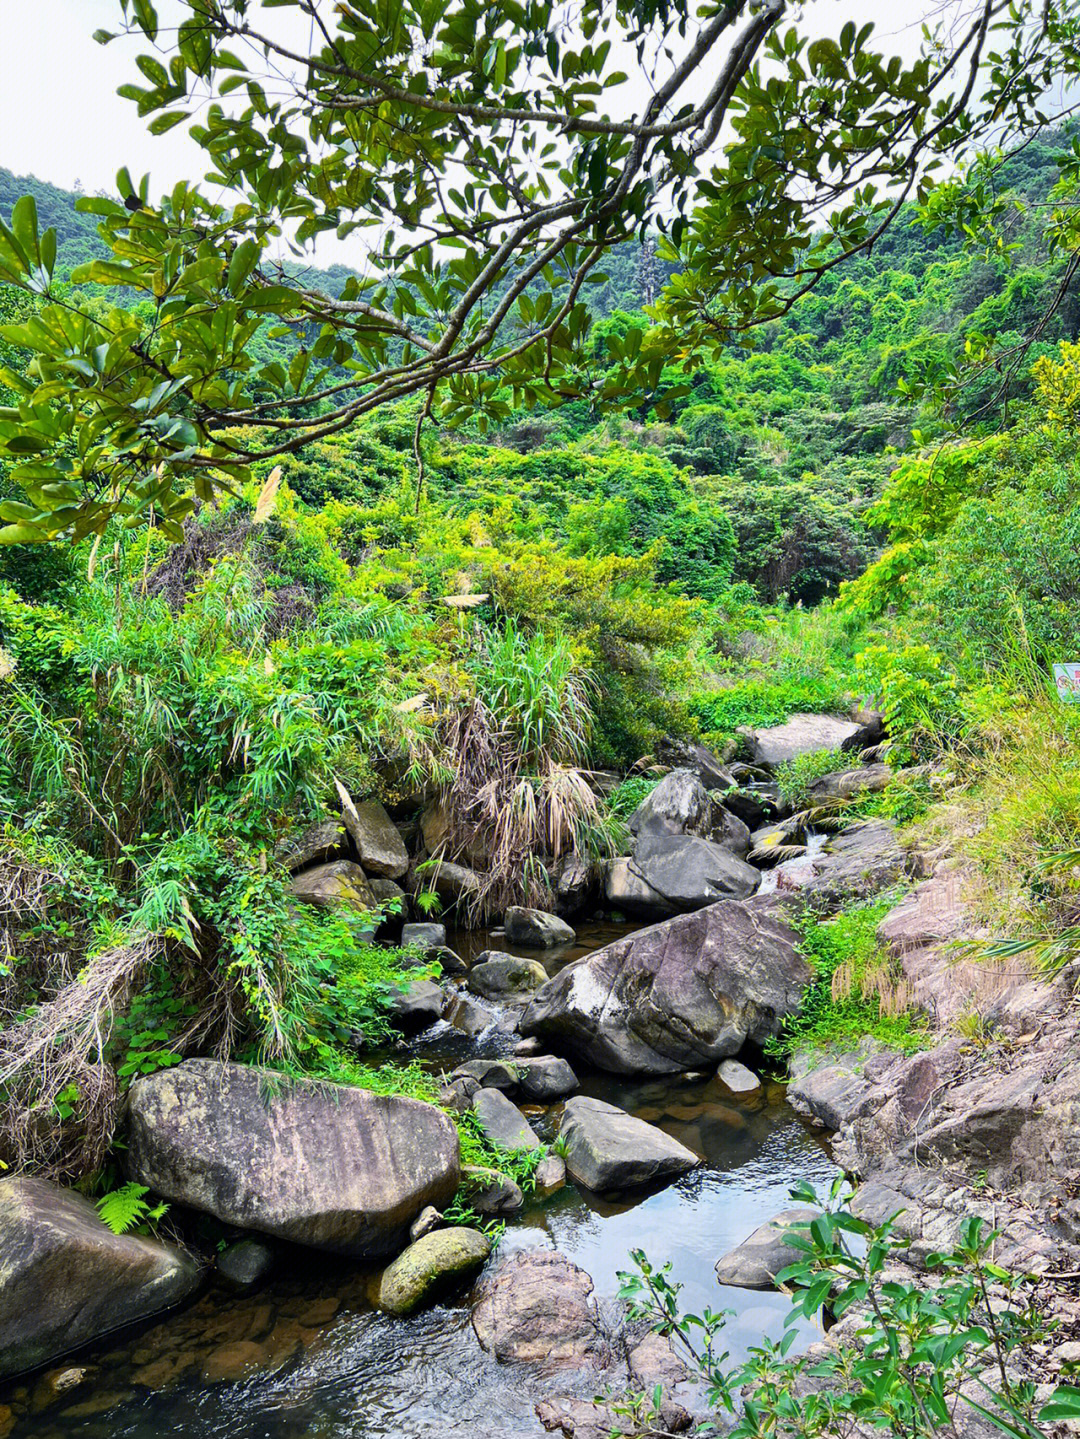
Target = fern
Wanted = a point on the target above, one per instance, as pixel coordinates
(126, 1208)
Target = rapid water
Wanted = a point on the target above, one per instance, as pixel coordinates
(307, 1357)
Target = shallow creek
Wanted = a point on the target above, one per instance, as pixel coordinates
(306, 1356)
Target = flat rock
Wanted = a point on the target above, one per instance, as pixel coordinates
(497, 976)
(359, 1166)
(690, 873)
(755, 1263)
(536, 929)
(66, 1279)
(738, 1078)
(380, 847)
(330, 886)
(545, 1079)
(606, 1148)
(681, 995)
(502, 1122)
(537, 1305)
(798, 735)
(430, 1266)
(550, 1174)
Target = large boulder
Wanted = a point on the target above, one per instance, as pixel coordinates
(538, 1306)
(730, 831)
(65, 1278)
(502, 1122)
(535, 929)
(424, 934)
(679, 804)
(708, 767)
(504, 976)
(755, 1263)
(326, 1165)
(691, 873)
(606, 1148)
(683, 994)
(330, 886)
(429, 1267)
(798, 735)
(625, 890)
(381, 849)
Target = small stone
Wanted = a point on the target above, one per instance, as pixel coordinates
(242, 1265)
(489, 1191)
(56, 1383)
(550, 1174)
(738, 1078)
(546, 1079)
(7, 1421)
(427, 1220)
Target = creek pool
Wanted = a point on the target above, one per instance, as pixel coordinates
(307, 1357)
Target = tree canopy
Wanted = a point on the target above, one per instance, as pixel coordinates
(495, 154)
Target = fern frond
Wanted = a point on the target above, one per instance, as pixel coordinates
(122, 1209)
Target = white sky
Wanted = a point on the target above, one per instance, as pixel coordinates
(61, 119)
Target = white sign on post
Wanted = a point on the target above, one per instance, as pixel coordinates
(1067, 679)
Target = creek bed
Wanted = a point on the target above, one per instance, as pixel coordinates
(307, 1357)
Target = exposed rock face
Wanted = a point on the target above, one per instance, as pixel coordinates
(606, 1148)
(431, 1266)
(319, 844)
(738, 1078)
(330, 885)
(325, 1165)
(535, 929)
(801, 734)
(65, 1278)
(502, 1122)
(856, 863)
(381, 849)
(625, 890)
(679, 804)
(499, 976)
(418, 1006)
(537, 1306)
(846, 784)
(755, 1263)
(681, 995)
(545, 1079)
(690, 873)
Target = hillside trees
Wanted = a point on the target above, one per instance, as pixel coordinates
(496, 157)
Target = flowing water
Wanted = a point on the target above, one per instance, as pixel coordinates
(307, 1357)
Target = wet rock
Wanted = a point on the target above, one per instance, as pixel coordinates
(537, 1306)
(847, 784)
(502, 1122)
(606, 1148)
(330, 886)
(856, 863)
(361, 1165)
(683, 994)
(679, 805)
(65, 1278)
(489, 1073)
(550, 1174)
(426, 935)
(690, 873)
(546, 1079)
(431, 1266)
(489, 1191)
(577, 885)
(536, 929)
(755, 1263)
(54, 1385)
(626, 891)
(528, 1047)
(245, 1263)
(654, 1361)
(738, 1078)
(427, 1220)
(417, 1007)
(380, 847)
(468, 1016)
(499, 976)
(767, 843)
(321, 843)
(801, 734)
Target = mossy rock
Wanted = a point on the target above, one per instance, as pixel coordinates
(431, 1266)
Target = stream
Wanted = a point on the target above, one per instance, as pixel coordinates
(307, 1357)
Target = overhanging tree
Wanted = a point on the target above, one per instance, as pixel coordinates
(494, 153)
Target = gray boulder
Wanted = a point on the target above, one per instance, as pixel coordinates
(755, 1263)
(499, 976)
(738, 1078)
(381, 849)
(417, 1007)
(681, 995)
(798, 735)
(536, 929)
(322, 842)
(66, 1279)
(730, 831)
(606, 1148)
(679, 804)
(426, 935)
(430, 1266)
(708, 767)
(330, 886)
(489, 1073)
(625, 890)
(449, 961)
(468, 1016)
(545, 1079)
(538, 1306)
(691, 873)
(502, 1122)
(855, 863)
(359, 1166)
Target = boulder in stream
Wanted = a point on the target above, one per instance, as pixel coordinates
(799, 734)
(680, 804)
(545, 1079)
(755, 1263)
(430, 1266)
(325, 1165)
(536, 929)
(66, 1279)
(504, 976)
(502, 1122)
(424, 934)
(689, 872)
(537, 1305)
(680, 995)
(606, 1148)
(418, 1006)
(738, 1078)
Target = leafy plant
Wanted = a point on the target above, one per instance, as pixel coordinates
(127, 1208)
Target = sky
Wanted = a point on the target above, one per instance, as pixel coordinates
(61, 119)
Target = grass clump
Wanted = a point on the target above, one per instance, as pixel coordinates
(858, 991)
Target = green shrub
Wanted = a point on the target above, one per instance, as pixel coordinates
(795, 776)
